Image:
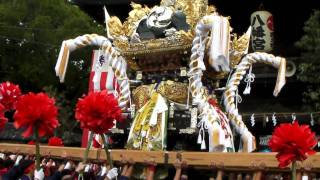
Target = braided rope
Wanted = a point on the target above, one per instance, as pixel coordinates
(117, 62)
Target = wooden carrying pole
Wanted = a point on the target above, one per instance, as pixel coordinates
(232, 161)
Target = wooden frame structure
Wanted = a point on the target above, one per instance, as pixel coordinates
(231, 161)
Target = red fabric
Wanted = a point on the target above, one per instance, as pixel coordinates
(152, 168)
(3, 119)
(36, 110)
(3, 171)
(55, 141)
(223, 119)
(31, 142)
(97, 111)
(30, 168)
(9, 95)
(95, 143)
(292, 142)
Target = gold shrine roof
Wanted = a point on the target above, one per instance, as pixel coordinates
(180, 40)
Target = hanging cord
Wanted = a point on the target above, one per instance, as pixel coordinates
(249, 79)
(311, 120)
(252, 120)
(274, 119)
(293, 116)
(238, 99)
(202, 126)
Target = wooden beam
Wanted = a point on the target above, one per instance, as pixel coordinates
(205, 159)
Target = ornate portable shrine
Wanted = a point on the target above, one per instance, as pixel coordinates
(169, 48)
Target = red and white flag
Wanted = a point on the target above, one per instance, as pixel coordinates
(101, 78)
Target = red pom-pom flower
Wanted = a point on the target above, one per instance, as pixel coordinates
(3, 119)
(55, 141)
(292, 142)
(9, 95)
(36, 111)
(97, 111)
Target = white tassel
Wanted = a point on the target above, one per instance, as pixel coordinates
(252, 120)
(203, 145)
(274, 120)
(267, 119)
(199, 141)
(249, 79)
(311, 120)
(247, 90)
(293, 116)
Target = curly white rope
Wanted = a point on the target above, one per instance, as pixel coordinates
(117, 62)
(209, 116)
(232, 86)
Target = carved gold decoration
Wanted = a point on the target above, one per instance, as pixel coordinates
(239, 47)
(117, 27)
(134, 17)
(174, 91)
(180, 40)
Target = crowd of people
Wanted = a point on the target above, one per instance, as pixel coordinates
(22, 167)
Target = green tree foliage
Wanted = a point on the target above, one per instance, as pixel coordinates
(309, 69)
(31, 33)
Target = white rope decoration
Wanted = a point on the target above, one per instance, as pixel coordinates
(210, 118)
(237, 76)
(117, 62)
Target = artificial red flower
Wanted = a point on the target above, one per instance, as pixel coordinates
(292, 142)
(55, 141)
(36, 111)
(97, 111)
(3, 119)
(31, 142)
(9, 95)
